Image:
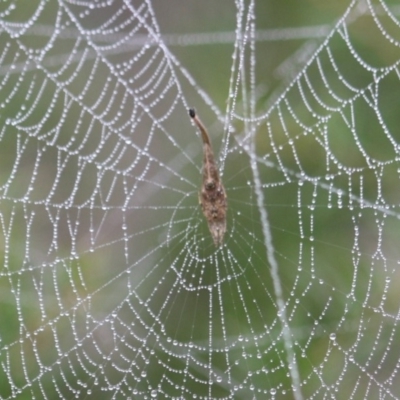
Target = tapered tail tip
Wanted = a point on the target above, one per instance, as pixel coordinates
(192, 112)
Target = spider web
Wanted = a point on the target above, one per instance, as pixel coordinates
(111, 286)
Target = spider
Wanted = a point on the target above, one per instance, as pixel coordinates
(212, 195)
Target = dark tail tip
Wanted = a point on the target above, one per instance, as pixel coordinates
(192, 113)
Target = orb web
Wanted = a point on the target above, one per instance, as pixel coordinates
(111, 284)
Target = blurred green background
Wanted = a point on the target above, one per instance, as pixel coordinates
(110, 283)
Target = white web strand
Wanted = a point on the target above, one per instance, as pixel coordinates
(110, 284)
(293, 368)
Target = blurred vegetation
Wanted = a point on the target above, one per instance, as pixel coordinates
(337, 256)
